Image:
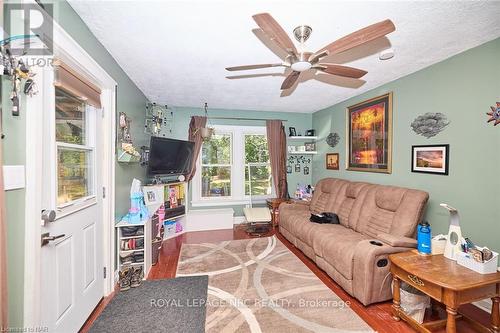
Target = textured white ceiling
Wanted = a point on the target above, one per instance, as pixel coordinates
(176, 51)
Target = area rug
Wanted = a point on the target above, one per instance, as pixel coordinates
(258, 285)
(170, 305)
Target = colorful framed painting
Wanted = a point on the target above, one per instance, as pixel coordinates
(430, 159)
(369, 135)
(332, 161)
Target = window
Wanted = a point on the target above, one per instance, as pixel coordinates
(216, 157)
(257, 165)
(75, 151)
(225, 163)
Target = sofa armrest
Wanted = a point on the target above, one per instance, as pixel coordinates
(371, 276)
(294, 205)
(397, 241)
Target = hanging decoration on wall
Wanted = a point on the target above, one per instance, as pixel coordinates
(430, 124)
(126, 150)
(159, 119)
(333, 139)
(494, 114)
(21, 76)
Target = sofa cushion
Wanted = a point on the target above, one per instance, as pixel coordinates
(349, 203)
(391, 210)
(337, 247)
(325, 195)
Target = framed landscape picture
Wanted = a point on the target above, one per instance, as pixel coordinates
(430, 159)
(369, 135)
(332, 161)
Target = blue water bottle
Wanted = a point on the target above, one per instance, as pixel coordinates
(424, 238)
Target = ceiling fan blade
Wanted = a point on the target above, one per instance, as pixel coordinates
(247, 67)
(290, 80)
(274, 31)
(357, 38)
(339, 70)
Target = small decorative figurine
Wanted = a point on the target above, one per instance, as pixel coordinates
(494, 114)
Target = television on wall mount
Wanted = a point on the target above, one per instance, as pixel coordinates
(169, 156)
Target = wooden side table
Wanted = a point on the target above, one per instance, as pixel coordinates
(448, 283)
(273, 205)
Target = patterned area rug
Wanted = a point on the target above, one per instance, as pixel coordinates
(258, 285)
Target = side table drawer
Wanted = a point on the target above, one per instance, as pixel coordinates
(426, 287)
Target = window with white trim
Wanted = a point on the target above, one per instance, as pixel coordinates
(224, 165)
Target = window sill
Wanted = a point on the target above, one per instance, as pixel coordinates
(215, 203)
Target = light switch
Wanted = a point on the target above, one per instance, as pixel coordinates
(13, 177)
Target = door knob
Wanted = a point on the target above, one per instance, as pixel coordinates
(48, 215)
(46, 238)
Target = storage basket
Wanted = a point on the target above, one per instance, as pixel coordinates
(169, 227)
(487, 267)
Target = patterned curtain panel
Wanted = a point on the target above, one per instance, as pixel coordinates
(196, 123)
(3, 249)
(276, 141)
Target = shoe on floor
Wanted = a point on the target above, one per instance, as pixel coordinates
(137, 276)
(125, 278)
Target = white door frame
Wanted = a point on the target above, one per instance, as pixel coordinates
(69, 51)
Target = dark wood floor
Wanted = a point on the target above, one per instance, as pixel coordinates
(378, 316)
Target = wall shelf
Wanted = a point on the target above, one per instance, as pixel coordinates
(302, 152)
(305, 138)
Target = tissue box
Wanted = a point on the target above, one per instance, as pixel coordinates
(437, 246)
(487, 267)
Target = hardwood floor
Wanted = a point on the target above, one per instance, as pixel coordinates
(378, 316)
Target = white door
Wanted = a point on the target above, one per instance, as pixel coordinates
(72, 253)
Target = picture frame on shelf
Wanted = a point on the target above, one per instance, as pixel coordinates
(369, 135)
(310, 146)
(431, 159)
(332, 161)
(292, 131)
(310, 132)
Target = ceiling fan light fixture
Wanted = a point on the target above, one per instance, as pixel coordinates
(386, 54)
(301, 66)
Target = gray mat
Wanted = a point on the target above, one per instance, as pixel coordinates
(170, 305)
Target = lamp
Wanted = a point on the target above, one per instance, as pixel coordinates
(453, 242)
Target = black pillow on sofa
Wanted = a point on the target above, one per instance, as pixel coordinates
(330, 218)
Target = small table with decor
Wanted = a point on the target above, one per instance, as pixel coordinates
(274, 205)
(446, 282)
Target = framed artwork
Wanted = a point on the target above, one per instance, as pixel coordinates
(306, 170)
(332, 161)
(369, 135)
(430, 159)
(288, 168)
(292, 131)
(297, 167)
(310, 146)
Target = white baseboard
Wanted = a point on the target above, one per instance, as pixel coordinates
(239, 220)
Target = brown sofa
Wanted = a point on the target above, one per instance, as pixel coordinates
(368, 214)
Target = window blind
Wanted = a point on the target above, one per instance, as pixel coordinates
(68, 79)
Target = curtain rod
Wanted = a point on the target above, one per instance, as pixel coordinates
(233, 118)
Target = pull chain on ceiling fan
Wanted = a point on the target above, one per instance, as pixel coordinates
(300, 61)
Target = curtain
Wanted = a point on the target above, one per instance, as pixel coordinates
(276, 142)
(194, 133)
(3, 254)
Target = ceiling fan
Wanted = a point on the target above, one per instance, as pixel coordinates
(300, 61)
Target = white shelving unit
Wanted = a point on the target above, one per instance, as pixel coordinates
(304, 138)
(145, 227)
(302, 152)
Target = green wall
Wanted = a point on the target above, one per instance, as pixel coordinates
(301, 121)
(130, 100)
(462, 87)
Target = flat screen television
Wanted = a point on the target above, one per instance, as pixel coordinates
(169, 156)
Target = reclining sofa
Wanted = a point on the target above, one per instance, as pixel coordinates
(375, 221)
